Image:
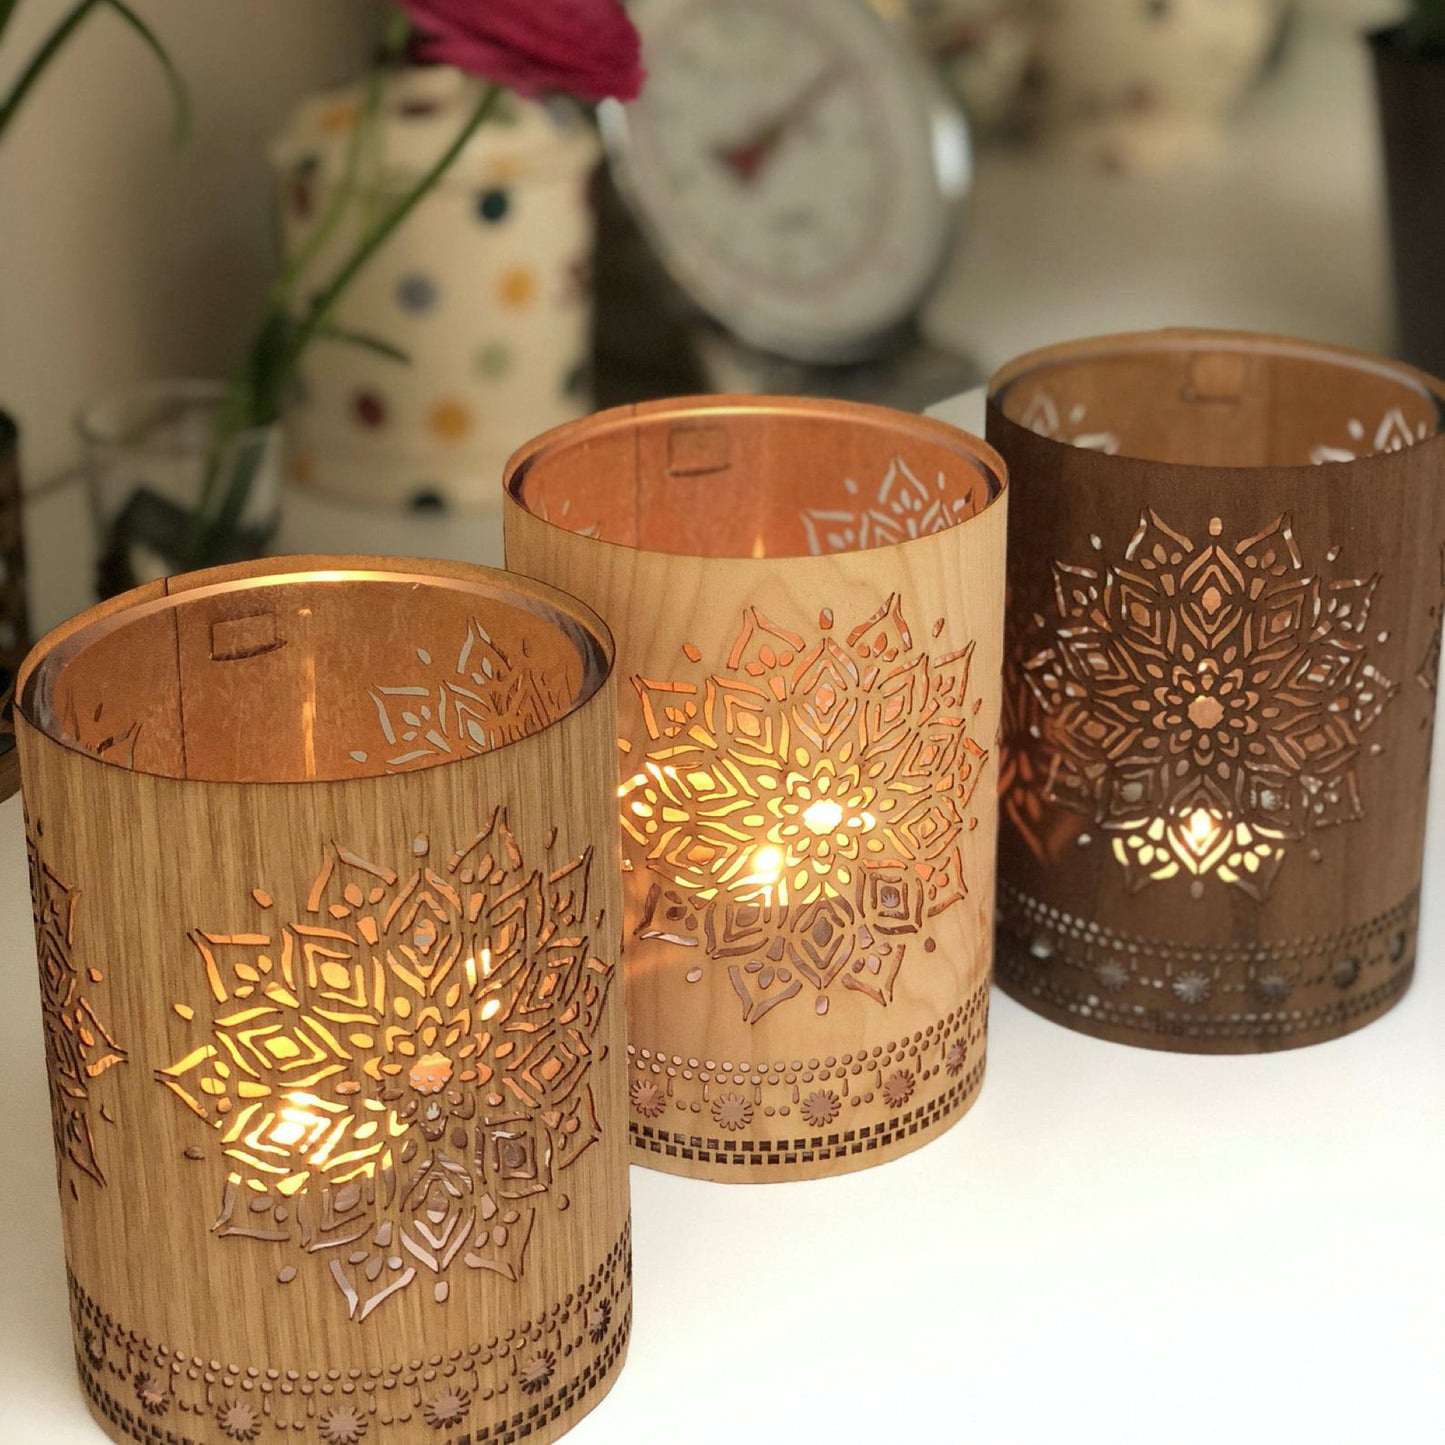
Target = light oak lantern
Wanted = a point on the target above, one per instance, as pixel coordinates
(323, 862)
(1226, 590)
(807, 598)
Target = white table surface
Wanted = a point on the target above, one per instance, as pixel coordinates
(1114, 1244)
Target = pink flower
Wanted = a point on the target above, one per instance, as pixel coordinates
(588, 48)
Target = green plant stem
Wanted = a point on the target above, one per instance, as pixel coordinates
(319, 312)
(180, 96)
(393, 46)
(55, 42)
(256, 391)
(40, 61)
(7, 9)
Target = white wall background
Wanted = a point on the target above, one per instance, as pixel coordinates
(123, 255)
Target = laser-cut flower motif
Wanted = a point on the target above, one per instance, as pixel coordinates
(898, 1088)
(905, 507)
(152, 1393)
(1192, 987)
(482, 702)
(239, 1420)
(955, 1058)
(1346, 973)
(343, 1425)
(1112, 975)
(648, 1098)
(599, 1320)
(1274, 987)
(804, 805)
(1203, 703)
(732, 1111)
(535, 1373)
(820, 1108)
(398, 1078)
(446, 1407)
(79, 1047)
(1043, 415)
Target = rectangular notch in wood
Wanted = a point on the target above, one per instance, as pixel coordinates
(694, 451)
(234, 638)
(1217, 376)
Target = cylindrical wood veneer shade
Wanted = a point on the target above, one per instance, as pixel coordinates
(807, 601)
(323, 854)
(1223, 640)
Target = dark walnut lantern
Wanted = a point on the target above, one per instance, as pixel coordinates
(807, 599)
(322, 854)
(1225, 597)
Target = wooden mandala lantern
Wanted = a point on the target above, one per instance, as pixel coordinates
(1226, 588)
(807, 598)
(326, 907)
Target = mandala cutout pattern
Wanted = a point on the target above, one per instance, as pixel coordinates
(79, 1047)
(801, 809)
(483, 701)
(1204, 703)
(1427, 675)
(398, 1079)
(1043, 416)
(905, 507)
(1391, 434)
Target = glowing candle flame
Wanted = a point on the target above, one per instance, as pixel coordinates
(767, 866)
(1202, 830)
(296, 1121)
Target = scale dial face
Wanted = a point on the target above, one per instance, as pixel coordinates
(794, 166)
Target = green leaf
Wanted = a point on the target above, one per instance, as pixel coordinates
(55, 42)
(366, 342)
(40, 61)
(180, 95)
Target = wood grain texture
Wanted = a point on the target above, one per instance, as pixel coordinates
(337, 1065)
(1223, 643)
(807, 601)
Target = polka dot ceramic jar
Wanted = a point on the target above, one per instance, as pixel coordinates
(485, 288)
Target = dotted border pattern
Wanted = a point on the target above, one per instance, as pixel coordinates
(518, 1426)
(819, 1148)
(970, 1020)
(1388, 941)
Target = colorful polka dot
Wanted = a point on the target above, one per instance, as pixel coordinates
(301, 467)
(494, 360)
(450, 420)
(368, 409)
(416, 292)
(577, 383)
(493, 205)
(339, 119)
(500, 172)
(518, 288)
(428, 499)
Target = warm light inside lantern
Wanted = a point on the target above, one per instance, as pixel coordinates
(1201, 831)
(823, 816)
(469, 966)
(767, 868)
